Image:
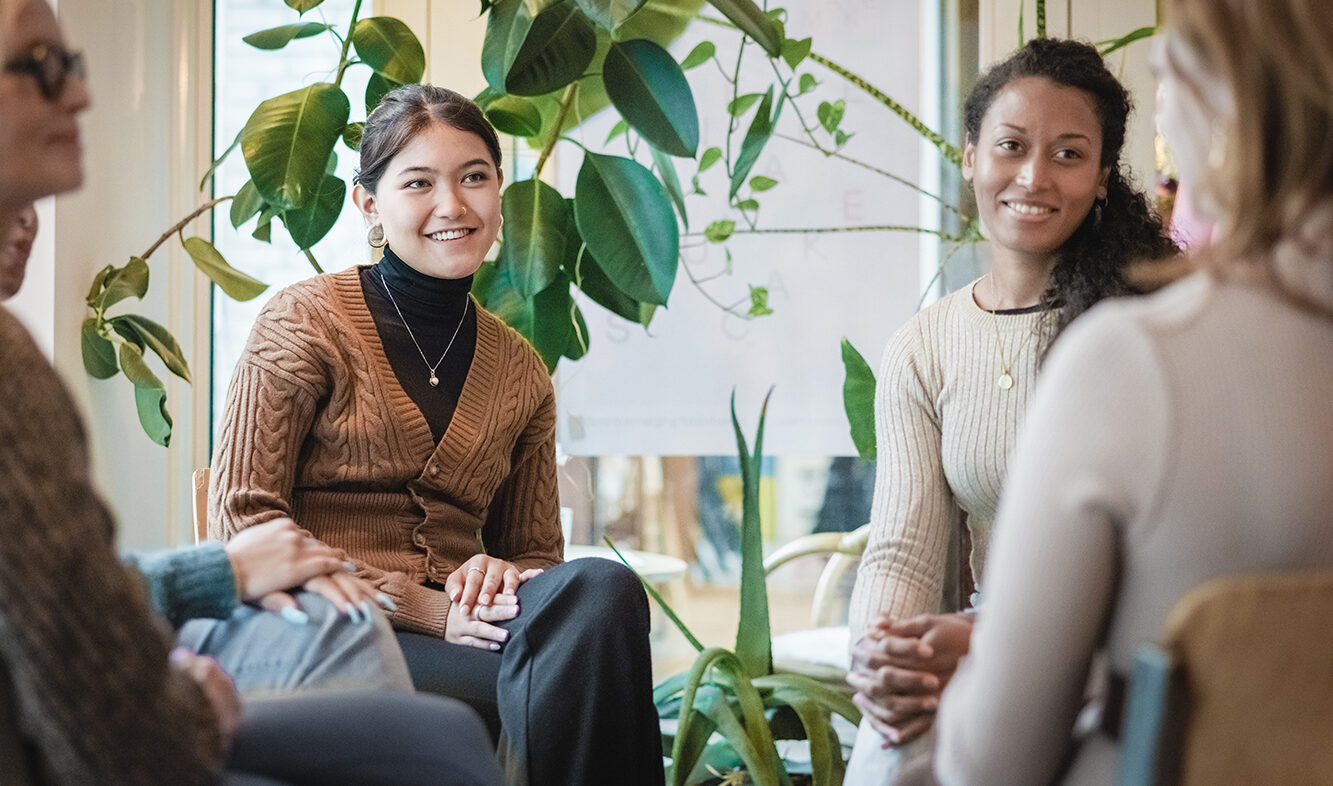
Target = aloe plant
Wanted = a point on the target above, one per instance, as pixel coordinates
(731, 706)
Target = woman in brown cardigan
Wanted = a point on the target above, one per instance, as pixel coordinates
(396, 420)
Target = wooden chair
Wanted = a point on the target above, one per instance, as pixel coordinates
(822, 650)
(1240, 689)
(200, 479)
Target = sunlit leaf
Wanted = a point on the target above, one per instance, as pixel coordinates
(246, 204)
(742, 103)
(761, 129)
(759, 302)
(280, 36)
(699, 55)
(760, 184)
(748, 204)
(515, 116)
(609, 14)
(830, 114)
(236, 284)
(99, 354)
(625, 216)
(390, 48)
(147, 334)
(752, 21)
(536, 221)
(858, 400)
(288, 139)
(794, 52)
(150, 396)
(126, 282)
(711, 156)
(618, 129)
(650, 91)
(808, 83)
(352, 135)
(308, 225)
(719, 231)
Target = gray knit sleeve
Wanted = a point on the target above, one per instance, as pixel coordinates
(188, 583)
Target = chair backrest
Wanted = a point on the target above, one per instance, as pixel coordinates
(200, 479)
(1241, 689)
(844, 550)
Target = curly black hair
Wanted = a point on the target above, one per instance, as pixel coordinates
(1093, 261)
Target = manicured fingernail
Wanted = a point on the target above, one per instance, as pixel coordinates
(387, 602)
(893, 736)
(484, 599)
(294, 615)
(352, 611)
(464, 609)
(349, 566)
(504, 635)
(495, 647)
(368, 610)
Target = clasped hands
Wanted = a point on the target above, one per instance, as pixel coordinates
(900, 668)
(482, 591)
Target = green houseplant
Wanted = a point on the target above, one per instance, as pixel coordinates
(734, 694)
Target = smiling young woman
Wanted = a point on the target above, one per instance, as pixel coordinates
(1044, 132)
(401, 423)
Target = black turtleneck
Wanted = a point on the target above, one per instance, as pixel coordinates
(432, 308)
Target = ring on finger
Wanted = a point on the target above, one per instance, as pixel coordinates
(477, 569)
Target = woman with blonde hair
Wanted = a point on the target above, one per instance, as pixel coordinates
(1180, 437)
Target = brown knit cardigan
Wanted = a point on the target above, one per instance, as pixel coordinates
(317, 427)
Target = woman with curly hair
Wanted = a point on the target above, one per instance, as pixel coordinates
(1045, 129)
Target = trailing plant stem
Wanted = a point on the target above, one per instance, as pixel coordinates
(566, 101)
(179, 225)
(343, 62)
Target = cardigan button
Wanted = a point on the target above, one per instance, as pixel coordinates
(419, 539)
(433, 470)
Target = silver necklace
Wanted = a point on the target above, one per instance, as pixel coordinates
(1006, 379)
(434, 380)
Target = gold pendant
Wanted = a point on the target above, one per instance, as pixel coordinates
(1003, 383)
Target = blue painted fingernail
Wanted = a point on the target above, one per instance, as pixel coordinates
(387, 602)
(368, 610)
(495, 647)
(294, 615)
(352, 611)
(349, 566)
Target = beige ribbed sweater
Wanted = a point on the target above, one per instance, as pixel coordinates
(317, 427)
(944, 430)
(84, 658)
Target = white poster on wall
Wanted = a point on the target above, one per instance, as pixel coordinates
(665, 390)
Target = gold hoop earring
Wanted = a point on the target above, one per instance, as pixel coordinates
(375, 236)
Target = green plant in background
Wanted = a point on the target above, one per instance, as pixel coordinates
(735, 694)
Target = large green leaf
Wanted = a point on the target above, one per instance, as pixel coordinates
(625, 217)
(150, 396)
(761, 129)
(147, 334)
(754, 644)
(649, 89)
(610, 14)
(246, 205)
(506, 28)
(549, 319)
(126, 282)
(594, 283)
(282, 35)
(99, 354)
(752, 21)
(858, 400)
(514, 116)
(377, 87)
(288, 139)
(308, 225)
(389, 47)
(236, 284)
(556, 50)
(537, 221)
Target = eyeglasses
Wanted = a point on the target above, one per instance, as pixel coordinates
(50, 66)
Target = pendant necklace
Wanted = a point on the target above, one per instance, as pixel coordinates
(434, 380)
(1006, 379)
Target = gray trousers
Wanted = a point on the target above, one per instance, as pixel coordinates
(268, 656)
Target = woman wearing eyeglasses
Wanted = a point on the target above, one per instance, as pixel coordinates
(87, 676)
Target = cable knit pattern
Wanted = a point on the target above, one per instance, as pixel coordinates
(944, 431)
(86, 660)
(318, 427)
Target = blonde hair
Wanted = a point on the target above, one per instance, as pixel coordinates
(1276, 59)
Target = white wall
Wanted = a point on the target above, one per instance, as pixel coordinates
(145, 144)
